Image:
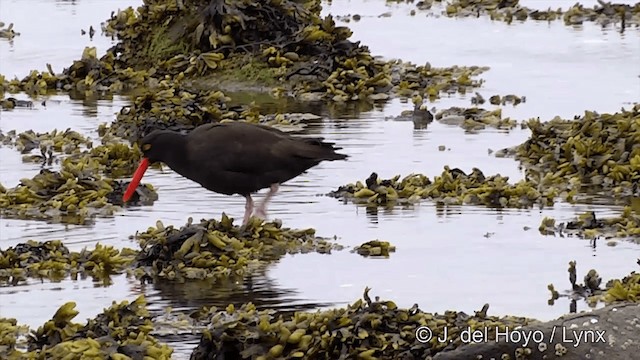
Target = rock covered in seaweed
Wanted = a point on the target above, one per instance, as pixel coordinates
(52, 260)
(77, 192)
(365, 330)
(46, 144)
(169, 107)
(375, 248)
(593, 150)
(452, 187)
(615, 291)
(74, 195)
(586, 225)
(473, 119)
(215, 248)
(603, 13)
(201, 42)
(122, 331)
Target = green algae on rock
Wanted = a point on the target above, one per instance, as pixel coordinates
(375, 248)
(626, 226)
(365, 330)
(594, 150)
(120, 332)
(452, 187)
(215, 248)
(52, 260)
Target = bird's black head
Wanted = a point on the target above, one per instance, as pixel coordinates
(160, 145)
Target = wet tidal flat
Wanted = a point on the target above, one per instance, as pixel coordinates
(456, 257)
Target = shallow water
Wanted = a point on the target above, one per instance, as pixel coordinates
(443, 258)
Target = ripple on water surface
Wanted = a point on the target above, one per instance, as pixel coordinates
(446, 257)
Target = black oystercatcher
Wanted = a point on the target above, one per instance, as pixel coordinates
(234, 158)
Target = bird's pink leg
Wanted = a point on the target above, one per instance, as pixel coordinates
(248, 209)
(261, 211)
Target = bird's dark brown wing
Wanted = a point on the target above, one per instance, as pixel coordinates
(243, 158)
(238, 147)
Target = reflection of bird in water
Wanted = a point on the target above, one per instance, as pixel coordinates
(255, 287)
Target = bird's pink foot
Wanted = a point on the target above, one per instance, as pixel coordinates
(261, 211)
(248, 209)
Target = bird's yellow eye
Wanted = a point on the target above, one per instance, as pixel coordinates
(146, 147)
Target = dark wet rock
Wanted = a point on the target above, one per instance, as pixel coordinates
(607, 333)
(366, 329)
(453, 187)
(143, 195)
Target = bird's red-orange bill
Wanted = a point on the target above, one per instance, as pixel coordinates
(137, 176)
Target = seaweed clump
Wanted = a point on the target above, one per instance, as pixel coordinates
(52, 260)
(474, 119)
(614, 291)
(74, 195)
(366, 329)
(10, 333)
(284, 45)
(169, 107)
(452, 187)
(586, 225)
(77, 192)
(213, 249)
(603, 13)
(8, 32)
(49, 143)
(266, 42)
(592, 151)
(375, 248)
(121, 331)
